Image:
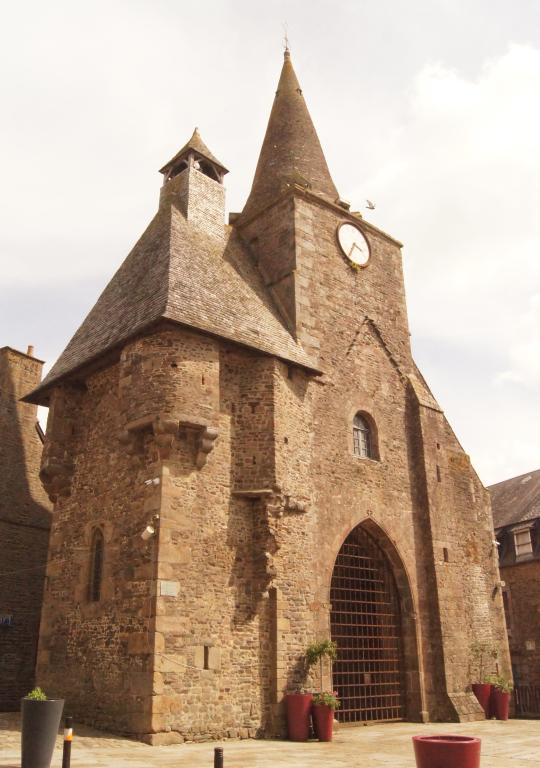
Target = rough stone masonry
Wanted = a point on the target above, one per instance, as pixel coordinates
(25, 518)
(248, 392)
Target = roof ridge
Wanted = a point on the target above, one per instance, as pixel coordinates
(516, 477)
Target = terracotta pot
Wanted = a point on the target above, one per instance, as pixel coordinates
(482, 691)
(39, 729)
(446, 751)
(323, 721)
(298, 711)
(500, 704)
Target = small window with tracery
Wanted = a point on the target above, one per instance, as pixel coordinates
(96, 566)
(362, 437)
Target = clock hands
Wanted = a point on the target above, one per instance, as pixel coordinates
(354, 245)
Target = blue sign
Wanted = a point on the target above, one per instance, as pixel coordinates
(6, 620)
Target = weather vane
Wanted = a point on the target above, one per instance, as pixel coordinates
(285, 37)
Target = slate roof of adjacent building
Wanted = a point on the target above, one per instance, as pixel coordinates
(516, 500)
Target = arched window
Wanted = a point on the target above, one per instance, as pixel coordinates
(362, 437)
(176, 171)
(96, 566)
(207, 169)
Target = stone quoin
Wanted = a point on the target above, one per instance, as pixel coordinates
(248, 391)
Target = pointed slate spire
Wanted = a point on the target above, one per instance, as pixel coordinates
(291, 152)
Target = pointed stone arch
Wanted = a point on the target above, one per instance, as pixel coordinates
(398, 591)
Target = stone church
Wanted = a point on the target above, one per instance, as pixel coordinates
(244, 458)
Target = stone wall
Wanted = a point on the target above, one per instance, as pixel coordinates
(421, 491)
(523, 616)
(99, 655)
(24, 527)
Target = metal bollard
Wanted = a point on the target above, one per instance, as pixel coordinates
(218, 757)
(68, 738)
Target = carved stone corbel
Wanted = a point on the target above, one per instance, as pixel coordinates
(165, 431)
(205, 445)
(55, 475)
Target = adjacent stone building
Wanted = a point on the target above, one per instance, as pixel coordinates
(25, 518)
(244, 397)
(516, 516)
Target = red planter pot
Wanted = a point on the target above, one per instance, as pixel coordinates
(500, 704)
(447, 751)
(323, 721)
(298, 711)
(482, 691)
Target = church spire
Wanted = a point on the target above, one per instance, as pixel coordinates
(291, 152)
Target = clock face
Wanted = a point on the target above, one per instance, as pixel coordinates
(353, 244)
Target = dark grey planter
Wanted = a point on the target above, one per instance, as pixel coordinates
(40, 723)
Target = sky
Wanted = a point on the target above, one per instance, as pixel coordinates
(429, 108)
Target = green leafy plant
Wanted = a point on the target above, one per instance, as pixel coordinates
(36, 695)
(481, 652)
(502, 684)
(316, 652)
(327, 698)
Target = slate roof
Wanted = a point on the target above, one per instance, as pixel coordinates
(516, 500)
(291, 152)
(177, 272)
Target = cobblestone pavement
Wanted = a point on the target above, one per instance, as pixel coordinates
(515, 744)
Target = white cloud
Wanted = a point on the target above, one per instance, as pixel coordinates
(524, 354)
(461, 186)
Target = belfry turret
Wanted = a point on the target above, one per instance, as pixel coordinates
(193, 180)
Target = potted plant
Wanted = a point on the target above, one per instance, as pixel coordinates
(316, 652)
(481, 653)
(40, 723)
(500, 697)
(324, 703)
(298, 707)
(323, 708)
(299, 703)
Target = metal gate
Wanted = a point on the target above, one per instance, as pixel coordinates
(365, 621)
(527, 701)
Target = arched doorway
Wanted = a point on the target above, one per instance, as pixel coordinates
(365, 620)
